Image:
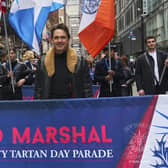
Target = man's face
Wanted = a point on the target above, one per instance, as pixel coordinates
(4, 59)
(151, 44)
(60, 41)
(12, 55)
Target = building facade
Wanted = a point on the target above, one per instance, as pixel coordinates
(73, 22)
(136, 19)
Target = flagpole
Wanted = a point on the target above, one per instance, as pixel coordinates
(65, 11)
(162, 74)
(109, 51)
(7, 46)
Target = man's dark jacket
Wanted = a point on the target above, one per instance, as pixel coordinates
(81, 82)
(101, 71)
(144, 74)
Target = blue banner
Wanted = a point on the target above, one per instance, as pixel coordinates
(28, 91)
(70, 133)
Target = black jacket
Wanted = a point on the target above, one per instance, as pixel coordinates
(5, 84)
(20, 71)
(144, 74)
(101, 70)
(81, 82)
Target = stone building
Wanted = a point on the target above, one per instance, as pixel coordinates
(136, 19)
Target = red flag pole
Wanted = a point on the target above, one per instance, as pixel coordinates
(7, 46)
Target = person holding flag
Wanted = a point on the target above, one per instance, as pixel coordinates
(5, 82)
(104, 74)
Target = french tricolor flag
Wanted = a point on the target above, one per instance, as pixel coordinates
(97, 24)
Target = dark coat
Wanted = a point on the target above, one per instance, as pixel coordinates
(144, 74)
(101, 70)
(20, 71)
(81, 81)
(126, 85)
(5, 84)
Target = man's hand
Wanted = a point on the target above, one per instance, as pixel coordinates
(111, 72)
(141, 92)
(110, 75)
(21, 82)
(10, 74)
(166, 62)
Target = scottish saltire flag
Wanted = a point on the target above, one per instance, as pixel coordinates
(28, 17)
(97, 24)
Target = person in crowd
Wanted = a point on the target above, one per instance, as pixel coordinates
(28, 59)
(101, 56)
(126, 84)
(62, 73)
(5, 77)
(22, 75)
(107, 76)
(151, 73)
(90, 60)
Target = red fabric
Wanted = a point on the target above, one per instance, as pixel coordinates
(3, 6)
(97, 34)
(132, 155)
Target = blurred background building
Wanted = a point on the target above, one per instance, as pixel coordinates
(136, 19)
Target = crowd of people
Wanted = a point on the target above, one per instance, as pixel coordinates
(61, 73)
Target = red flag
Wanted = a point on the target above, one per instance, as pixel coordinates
(0, 17)
(97, 24)
(3, 6)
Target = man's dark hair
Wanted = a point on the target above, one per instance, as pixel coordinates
(150, 37)
(13, 49)
(3, 53)
(61, 26)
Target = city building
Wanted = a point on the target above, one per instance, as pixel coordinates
(136, 19)
(73, 22)
(128, 15)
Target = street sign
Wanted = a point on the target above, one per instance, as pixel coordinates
(145, 7)
(131, 35)
(133, 38)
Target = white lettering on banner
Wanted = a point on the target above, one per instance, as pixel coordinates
(31, 154)
(100, 153)
(75, 154)
(3, 153)
(59, 154)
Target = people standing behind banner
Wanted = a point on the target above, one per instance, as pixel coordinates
(5, 76)
(28, 59)
(62, 73)
(22, 75)
(106, 76)
(151, 71)
(126, 82)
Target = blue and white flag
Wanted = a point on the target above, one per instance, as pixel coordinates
(28, 17)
